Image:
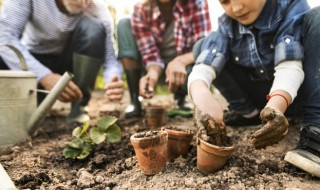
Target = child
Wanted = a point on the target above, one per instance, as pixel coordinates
(264, 48)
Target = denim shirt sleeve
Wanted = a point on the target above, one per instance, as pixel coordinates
(288, 38)
(214, 48)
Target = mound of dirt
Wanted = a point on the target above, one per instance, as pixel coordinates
(39, 163)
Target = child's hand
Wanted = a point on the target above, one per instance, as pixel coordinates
(275, 128)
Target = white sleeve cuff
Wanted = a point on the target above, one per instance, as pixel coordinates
(202, 72)
(288, 77)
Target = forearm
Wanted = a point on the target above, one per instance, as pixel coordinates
(186, 59)
(279, 100)
(288, 78)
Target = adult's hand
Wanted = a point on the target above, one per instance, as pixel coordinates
(114, 89)
(149, 81)
(70, 93)
(275, 128)
(175, 74)
(76, 6)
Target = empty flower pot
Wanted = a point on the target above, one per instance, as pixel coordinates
(155, 116)
(151, 150)
(211, 158)
(178, 143)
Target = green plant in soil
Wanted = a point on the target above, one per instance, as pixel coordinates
(84, 139)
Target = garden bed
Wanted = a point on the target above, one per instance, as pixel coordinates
(39, 164)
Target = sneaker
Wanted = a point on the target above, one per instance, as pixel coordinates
(232, 118)
(78, 115)
(133, 111)
(79, 119)
(182, 108)
(304, 160)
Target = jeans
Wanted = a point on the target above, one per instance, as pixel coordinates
(245, 91)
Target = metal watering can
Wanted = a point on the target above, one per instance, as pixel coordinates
(19, 114)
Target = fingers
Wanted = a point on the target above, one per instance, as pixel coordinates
(70, 93)
(267, 128)
(114, 89)
(267, 114)
(175, 80)
(146, 87)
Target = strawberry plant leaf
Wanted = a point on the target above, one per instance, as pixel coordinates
(76, 143)
(70, 152)
(79, 131)
(85, 151)
(97, 136)
(113, 133)
(105, 122)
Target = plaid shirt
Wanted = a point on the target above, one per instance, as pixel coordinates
(191, 23)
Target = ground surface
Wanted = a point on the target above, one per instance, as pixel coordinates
(39, 164)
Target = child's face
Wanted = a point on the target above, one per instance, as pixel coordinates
(243, 11)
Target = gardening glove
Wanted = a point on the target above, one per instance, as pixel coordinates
(208, 129)
(275, 128)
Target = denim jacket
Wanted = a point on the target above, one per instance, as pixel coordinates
(274, 37)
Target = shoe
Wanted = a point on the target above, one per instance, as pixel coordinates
(79, 119)
(180, 112)
(132, 111)
(231, 118)
(78, 115)
(182, 109)
(304, 160)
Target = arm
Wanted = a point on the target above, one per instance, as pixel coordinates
(112, 69)
(199, 83)
(200, 27)
(13, 20)
(141, 29)
(288, 78)
(14, 17)
(176, 70)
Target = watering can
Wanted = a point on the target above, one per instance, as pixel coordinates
(19, 114)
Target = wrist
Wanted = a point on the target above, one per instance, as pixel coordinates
(154, 69)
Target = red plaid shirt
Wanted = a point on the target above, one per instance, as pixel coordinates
(191, 23)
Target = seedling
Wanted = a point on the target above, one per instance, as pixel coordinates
(82, 144)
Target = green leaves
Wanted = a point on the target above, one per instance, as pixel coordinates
(82, 145)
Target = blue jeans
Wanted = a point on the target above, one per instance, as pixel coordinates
(245, 89)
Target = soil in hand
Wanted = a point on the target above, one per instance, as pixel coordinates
(211, 131)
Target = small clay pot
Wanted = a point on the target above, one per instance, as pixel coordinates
(178, 143)
(155, 116)
(151, 151)
(211, 158)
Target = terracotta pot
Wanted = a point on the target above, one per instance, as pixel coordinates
(155, 116)
(151, 152)
(211, 158)
(178, 143)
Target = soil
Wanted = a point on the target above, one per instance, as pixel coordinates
(210, 131)
(39, 163)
